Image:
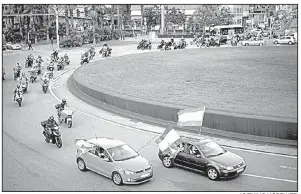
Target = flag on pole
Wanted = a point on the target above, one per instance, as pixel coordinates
(191, 117)
(169, 140)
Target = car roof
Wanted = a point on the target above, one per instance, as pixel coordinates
(106, 142)
(199, 141)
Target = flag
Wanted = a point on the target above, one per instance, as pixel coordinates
(168, 141)
(191, 117)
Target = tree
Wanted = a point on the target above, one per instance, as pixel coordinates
(224, 16)
(175, 16)
(152, 16)
(204, 14)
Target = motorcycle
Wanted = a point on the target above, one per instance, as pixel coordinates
(180, 45)
(144, 45)
(92, 55)
(105, 53)
(67, 61)
(45, 85)
(28, 62)
(33, 75)
(60, 65)
(19, 98)
(195, 41)
(161, 46)
(53, 135)
(24, 86)
(66, 116)
(84, 60)
(16, 74)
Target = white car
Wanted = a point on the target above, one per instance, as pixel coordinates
(253, 42)
(285, 40)
(113, 159)
(12, 46)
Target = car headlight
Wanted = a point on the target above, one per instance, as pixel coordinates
(229, 167)
(129, 172)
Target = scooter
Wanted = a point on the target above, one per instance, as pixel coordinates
(16, 74)
(66, 115)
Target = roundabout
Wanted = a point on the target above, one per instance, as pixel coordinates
(29, 164)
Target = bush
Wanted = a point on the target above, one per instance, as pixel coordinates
(67, 42)
(77, 41)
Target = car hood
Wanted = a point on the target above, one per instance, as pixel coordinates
(134, 164)
(227, 159)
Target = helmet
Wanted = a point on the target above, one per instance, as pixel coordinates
(51, 118)
(64, 100)
(39, 56)
(18, 63)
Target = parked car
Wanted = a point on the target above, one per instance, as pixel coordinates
(295, 35)
(285, 40)
(253, 42)
(207, 156)
(3, 47)
(113, 159)
(13, 46)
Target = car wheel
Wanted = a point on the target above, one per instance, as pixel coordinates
(289, 42)
(168, 162)
(81, 164)
(260, 44)
(212, 173)
(116, 177)
(276, 42)
(247, 44)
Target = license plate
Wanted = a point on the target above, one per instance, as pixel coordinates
(240, 170)
(145, 175)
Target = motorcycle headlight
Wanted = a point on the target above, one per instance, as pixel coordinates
(129, 172)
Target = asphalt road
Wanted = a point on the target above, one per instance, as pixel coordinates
(30, 164)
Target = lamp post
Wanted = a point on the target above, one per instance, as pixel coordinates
(57, 26)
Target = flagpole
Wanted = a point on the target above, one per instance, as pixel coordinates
(202, 121)
(147, 143)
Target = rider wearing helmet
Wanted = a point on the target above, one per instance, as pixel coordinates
(17, 67)
(18, 89)
(60, 107)
(51, 123)
(23, 79)
(66, 57)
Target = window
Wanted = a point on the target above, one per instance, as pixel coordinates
(211, 149)
(123, 152)
(77, 13)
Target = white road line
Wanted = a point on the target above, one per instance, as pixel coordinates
(264, 177)
(288, 167)
(266, 153)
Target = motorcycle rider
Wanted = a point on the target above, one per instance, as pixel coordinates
(17, 90)
(34, 71)
(17, 68)
(60, 107)
(51, 123)
(55, 54)
(23, 79)
(161, 44)
(66, 57)
(39, 60)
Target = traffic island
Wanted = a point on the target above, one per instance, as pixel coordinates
(115, 82)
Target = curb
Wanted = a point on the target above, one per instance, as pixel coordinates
(157, 122)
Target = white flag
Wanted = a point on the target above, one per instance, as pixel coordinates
(191, 117)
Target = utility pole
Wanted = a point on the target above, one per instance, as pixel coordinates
(271, 20)
(162, 19)
(57, 26)
(118, 20)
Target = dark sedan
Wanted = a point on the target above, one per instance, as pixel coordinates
(206, 156)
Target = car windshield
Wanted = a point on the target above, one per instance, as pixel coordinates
(123, 152)
(211, 149)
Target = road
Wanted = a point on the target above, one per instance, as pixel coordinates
(30, 164)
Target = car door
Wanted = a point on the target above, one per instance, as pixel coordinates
(181, 157)
(197, 160)
(107, 164)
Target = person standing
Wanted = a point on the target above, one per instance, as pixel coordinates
(29, 45)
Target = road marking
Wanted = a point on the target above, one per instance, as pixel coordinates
(276, 179)
(288, 167)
